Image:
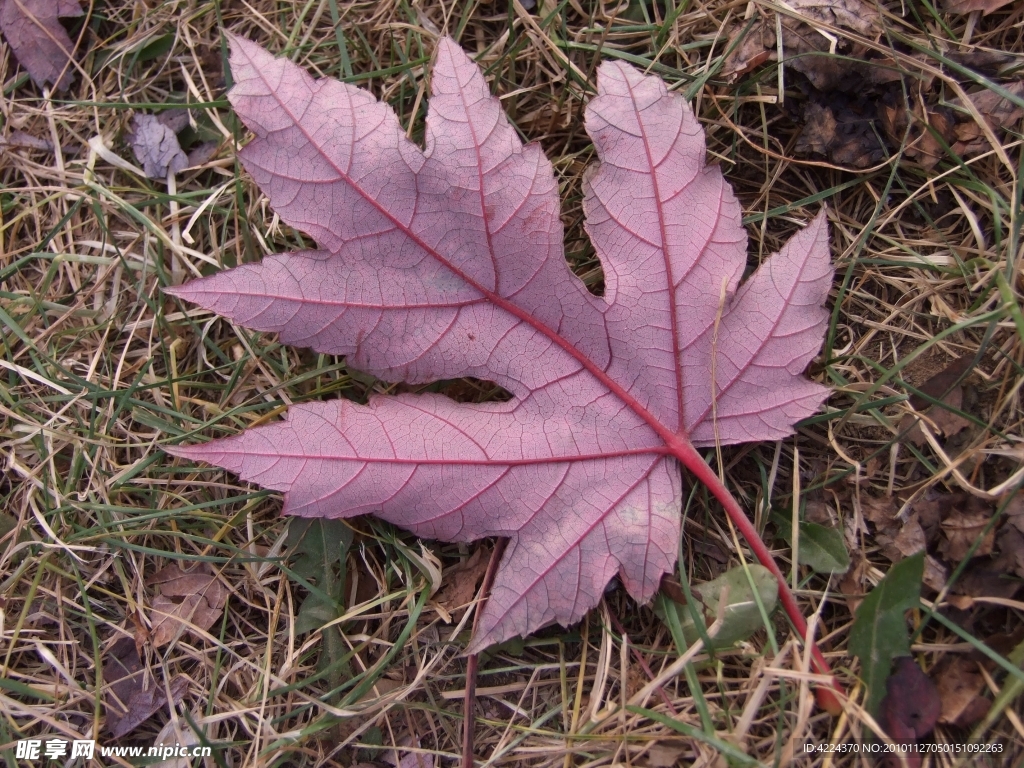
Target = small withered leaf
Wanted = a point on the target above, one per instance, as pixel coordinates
(156, 146)
(911, 705)
(37, 39)
(132, 694)
(187, 600)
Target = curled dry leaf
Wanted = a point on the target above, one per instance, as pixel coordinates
(155, 144)
(842, 129)
(187, 600)
(924, 131)
(1011, 551)
(20, 139)
(131, 692)
(459, 583)
(998, 111)
(961, 530)
(37, 39)
(943, 387)
(969, 6)
(805, 40)
(959, 682)
(666, 754)
(449, 263)
(911, 706)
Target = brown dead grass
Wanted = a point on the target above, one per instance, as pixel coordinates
(99, 367)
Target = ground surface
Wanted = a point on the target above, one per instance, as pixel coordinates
(100, 367)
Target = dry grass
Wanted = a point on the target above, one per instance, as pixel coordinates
(99, 368)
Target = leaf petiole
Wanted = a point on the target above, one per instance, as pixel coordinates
(683, 450)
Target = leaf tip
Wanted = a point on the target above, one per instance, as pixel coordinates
(193, 452)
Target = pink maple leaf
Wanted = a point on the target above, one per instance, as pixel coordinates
(449, 263)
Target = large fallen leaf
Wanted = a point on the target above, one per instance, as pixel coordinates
(188, 600)
(37, 39)
(879, 632)
(448, 263)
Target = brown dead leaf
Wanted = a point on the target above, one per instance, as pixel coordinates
(1015, 511)
(22, 140)
(175, 118)
(945, 419)
(665, 754)
(156, 146)
(940, 384)
(911, 705)
(820, 512)
(460, 582)
(985, 61)
(672, 588)
(408, 758)
(188, 600)
(909, 541)
(961, 602)
(983, 578)
(942, 418)
(937, 506)
(967, 6)
(960, 683)
(925, 130)
(842, 131)
(38, 40)
(1011, 551)
(999, 112)
(802, 41)
(935, 574)
(1002, 643)
(853, 581)
(880, 510)
(201, 153)
(961, 530)
(131, 694)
